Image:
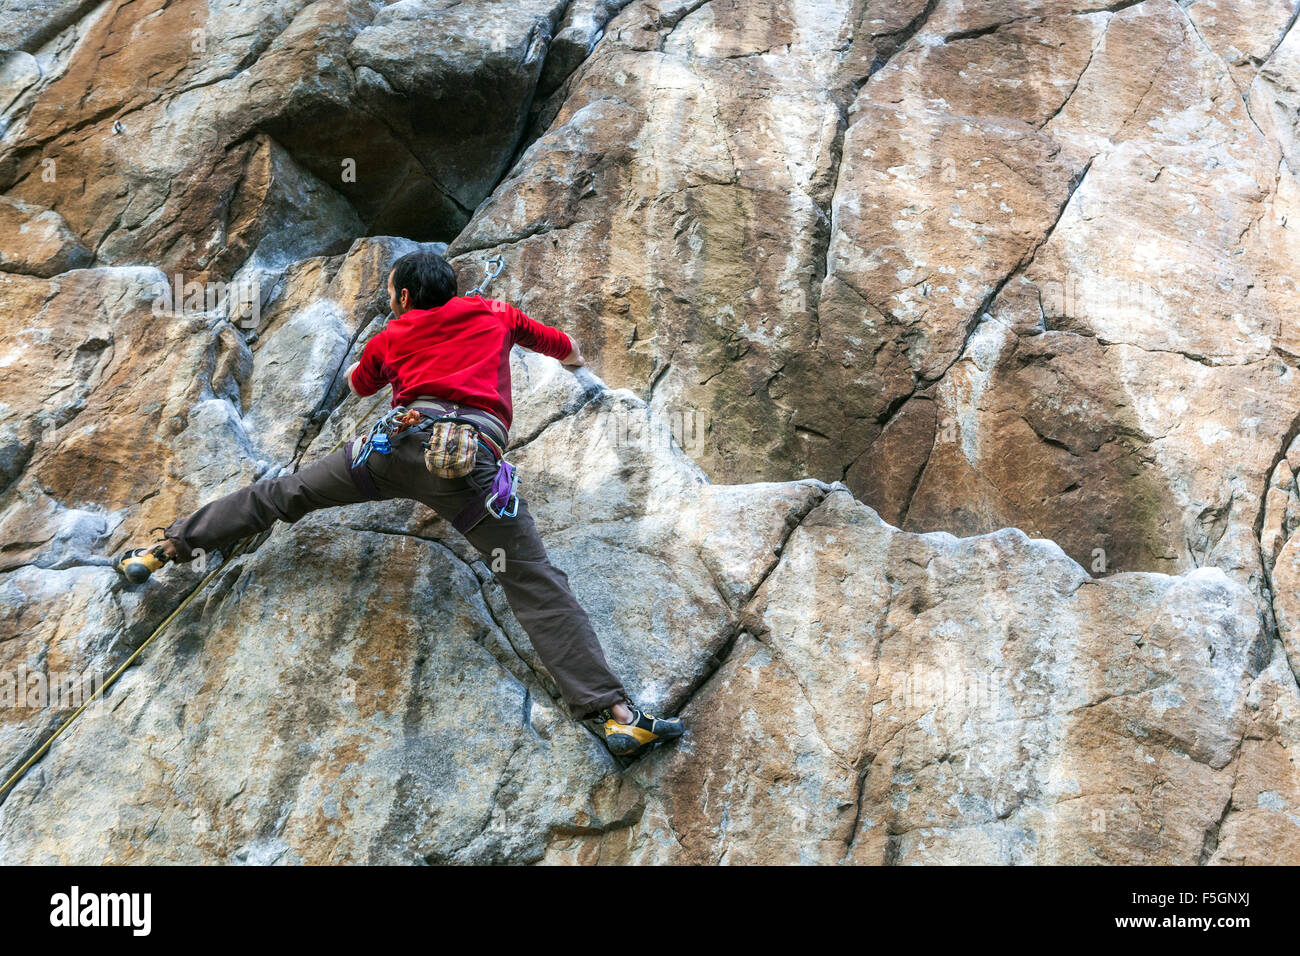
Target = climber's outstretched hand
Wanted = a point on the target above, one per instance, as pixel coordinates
(574, 358)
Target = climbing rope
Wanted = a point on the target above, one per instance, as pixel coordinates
(40, 751)
(235, 552)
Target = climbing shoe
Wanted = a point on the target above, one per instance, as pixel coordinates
(138, 564)
(645, 730)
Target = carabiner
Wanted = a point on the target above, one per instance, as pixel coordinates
(490, 275)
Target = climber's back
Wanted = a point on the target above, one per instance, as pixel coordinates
(458, 349)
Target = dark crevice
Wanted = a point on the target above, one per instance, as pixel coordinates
(720, 657)
(624, 822)
(1048, 440)
(1267, 588)
(920, 382)
(536, 120)
(915, 485)
(958, 35)
(1282, 37)
(852, 835)
(536, 229)
(892, 849)
(1025, 261)
(1210, 841)
(656, 377)
(674, 19)
(888, 44)
(1101, 38)
(805, 430)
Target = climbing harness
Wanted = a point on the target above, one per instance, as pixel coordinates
(500, 489)
(447, 454)
(450, 452)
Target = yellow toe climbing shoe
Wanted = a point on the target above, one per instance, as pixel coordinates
(645, 730)
(138, 564)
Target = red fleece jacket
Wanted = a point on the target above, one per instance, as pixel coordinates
(459, 351)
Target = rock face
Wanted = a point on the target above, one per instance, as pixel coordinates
(152, 148)
(945, 479)
(974, 261)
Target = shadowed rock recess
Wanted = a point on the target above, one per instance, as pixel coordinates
(945, 479)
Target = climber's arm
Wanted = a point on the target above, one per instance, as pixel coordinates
(546, 339)
(367, 375)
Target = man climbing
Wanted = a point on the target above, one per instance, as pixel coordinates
(447, 358)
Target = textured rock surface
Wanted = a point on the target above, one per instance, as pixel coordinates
(884, 696)
(37, 241)
(161, 138)
(945, 478)
(966, 261)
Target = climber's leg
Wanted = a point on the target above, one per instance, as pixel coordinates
(538, 591)
(545, 606)
(221, 523)
(539, 594)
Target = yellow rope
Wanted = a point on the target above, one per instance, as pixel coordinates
(238, 550)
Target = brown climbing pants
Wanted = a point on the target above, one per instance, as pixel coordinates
(538, 592)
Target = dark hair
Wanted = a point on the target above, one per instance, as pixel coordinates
(429, 278)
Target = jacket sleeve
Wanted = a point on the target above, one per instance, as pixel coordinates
(532, 334)
(371, 374)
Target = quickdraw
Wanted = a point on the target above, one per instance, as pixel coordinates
(489, 276)
(504, 487)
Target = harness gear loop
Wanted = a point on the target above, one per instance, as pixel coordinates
(387, 428)
(500, 499)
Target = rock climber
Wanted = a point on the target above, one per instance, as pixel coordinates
(447, 358)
